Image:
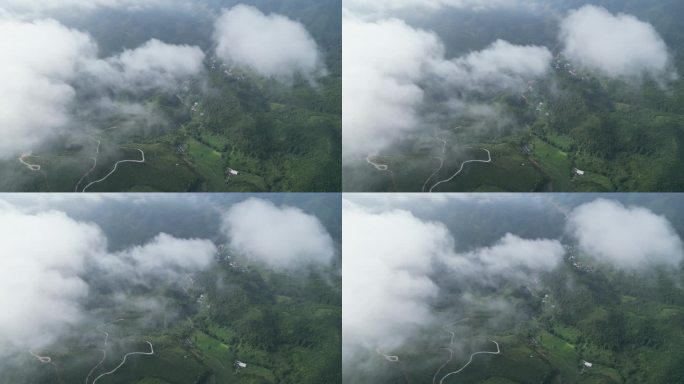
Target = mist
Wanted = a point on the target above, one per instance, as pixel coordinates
(405, 276)
(431, 84)
(39, 61)
(44, 65)
(75, 73)
(386, 268)
(145, 266)
(388, 65)
(424, 274)
(44, 283)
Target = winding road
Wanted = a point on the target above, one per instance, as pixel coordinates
(452, 333)
(382, 168)
(452, 341)
(489, 160)
(498, 351)
(97, 154)
(104, 357)
(441, 162)
(451, 356)
(33, 167)
(391, 359)
(151, 352)
(115, 168)
(104, 350)
(395, 360)
(379, 167)
(48, 360)
(43, 359)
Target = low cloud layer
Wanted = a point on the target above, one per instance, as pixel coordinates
(511, 258)
(46, 258)
(615, 45)
(281, 237)
(626, 237)
(382, 63)
(42, 61)
(154, 64)
(387, 63)
(500, 66)
(37, 64)
(390, 263)
(164, 257)
(271, 45)
(40, 281)
(407, 283)
(386, 267)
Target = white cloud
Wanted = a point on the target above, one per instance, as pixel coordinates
(271, 45)
(386, 63)
(615, 45)
(382, 63)
(282, 237)
(45, 258)
(37, 64)
(511, 257)
(500, 66)
(386, 266)
(390, 258)
(164, 257)
(42, 60)
(42, 258)
(153, 65)
(627, 237)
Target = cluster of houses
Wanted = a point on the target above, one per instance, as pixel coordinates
(222, 256)
(239, 365)
(230, 173)
(540, 109)
(228, 71)
(577, 172)
(560, 65)
(578, 265)
(585, 365)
